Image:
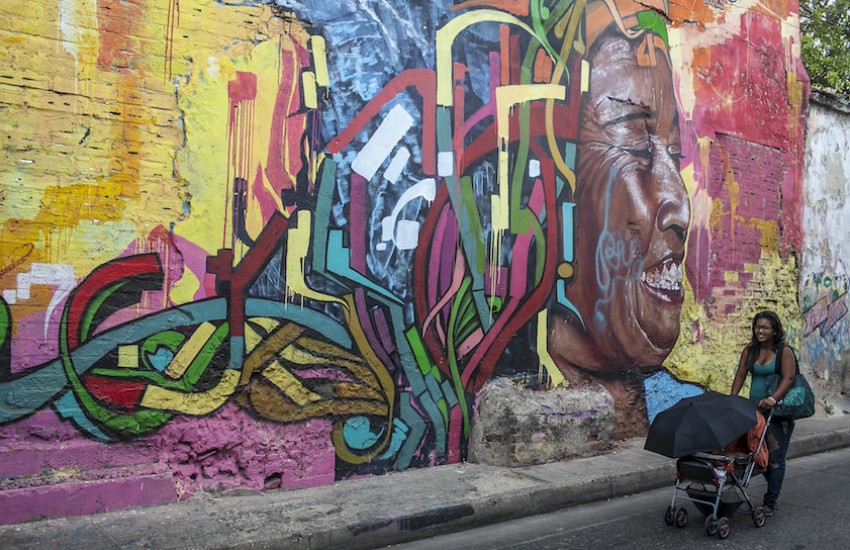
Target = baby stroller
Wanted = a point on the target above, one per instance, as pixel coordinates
(715, 483)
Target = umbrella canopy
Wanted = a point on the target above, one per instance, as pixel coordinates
(702, 423)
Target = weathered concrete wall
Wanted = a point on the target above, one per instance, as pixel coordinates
(275, 244)
(826, 251)
(518, 426)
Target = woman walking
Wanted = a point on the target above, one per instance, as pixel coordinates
(759, 359)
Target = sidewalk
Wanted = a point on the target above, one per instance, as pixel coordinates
(375, 511)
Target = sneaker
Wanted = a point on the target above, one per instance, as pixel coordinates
(768, 511)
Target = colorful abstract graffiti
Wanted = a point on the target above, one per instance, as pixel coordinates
(825, 315)
(388, 220)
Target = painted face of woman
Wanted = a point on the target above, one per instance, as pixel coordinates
(632, 213)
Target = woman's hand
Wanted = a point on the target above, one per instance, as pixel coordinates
(767, 403)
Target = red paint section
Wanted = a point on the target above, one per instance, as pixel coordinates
(425, 82)
(250, 267)
(242, 88)
(286, 128)
(117, 22)
(120, 393)
(143, 265)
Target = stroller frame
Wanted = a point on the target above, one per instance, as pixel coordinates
(704, 479)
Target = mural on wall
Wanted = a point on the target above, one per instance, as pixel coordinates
(388, 209)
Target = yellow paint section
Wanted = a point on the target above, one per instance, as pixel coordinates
(445, 40)
(289, 385)
(128, 357)
(300, 356)
(252, 337)
(308, 84)
(506, 98)
(320, 60)
(184, 290)
(267, 323)
(196, 404)
(189, 350)
(730, 276)
(585, 76)
(556, 378)
(709, 345)
(100, 148)
(379, 378)
(297, 245)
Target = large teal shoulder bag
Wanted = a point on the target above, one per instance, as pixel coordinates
(799, 401)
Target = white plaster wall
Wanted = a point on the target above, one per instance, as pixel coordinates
(825, 270)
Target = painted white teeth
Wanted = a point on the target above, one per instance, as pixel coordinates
(666, 278)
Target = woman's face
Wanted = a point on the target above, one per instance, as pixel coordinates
(764, 331)
(632, 211)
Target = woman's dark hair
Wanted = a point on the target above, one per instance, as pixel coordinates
(778, 335)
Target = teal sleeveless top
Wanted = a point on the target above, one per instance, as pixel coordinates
(758, 385)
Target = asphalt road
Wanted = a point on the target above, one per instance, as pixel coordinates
(814, 514)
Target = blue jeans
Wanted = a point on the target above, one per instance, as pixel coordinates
(778, 437)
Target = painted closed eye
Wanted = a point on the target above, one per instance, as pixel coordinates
(675, 151)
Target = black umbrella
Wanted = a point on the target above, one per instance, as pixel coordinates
(702, 423)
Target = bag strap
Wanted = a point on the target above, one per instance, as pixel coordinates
(778, 363)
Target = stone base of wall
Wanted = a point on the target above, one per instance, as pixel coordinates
(518, 426)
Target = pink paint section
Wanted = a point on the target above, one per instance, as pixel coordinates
(744, 76)
(229, 449)
(226, 450)
(76, 499)
(744, 184)
(747, 74)
(30, 347)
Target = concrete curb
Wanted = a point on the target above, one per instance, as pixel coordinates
(381, 510)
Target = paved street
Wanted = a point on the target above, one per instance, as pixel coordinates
(814, 514)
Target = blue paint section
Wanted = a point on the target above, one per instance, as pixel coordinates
(440, 436)
(68, 408)
(420, 390)
(25, 395)
(358, 434)
(339, 262)
(562, 299)
(161, 358)
(663, 391)
(570, 155)
(449, 392)
(567, 228)
(434, 389)
(399, 436)
(257, 307)
(237, 352)
(417, 430)
(324, 200)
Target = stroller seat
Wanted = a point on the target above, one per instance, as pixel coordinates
(715, 482)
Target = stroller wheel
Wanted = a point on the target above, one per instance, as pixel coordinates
(759, 517)
(723, 527)
(670, 516)
(681, 518)
(710, 526)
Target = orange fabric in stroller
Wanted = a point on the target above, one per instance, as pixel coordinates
(749, 442)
